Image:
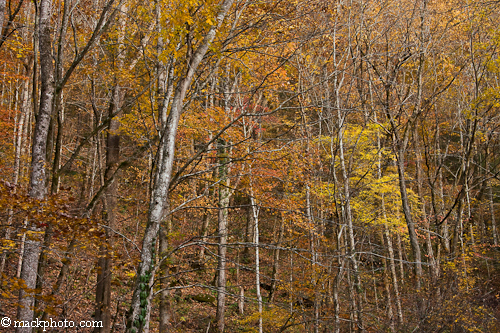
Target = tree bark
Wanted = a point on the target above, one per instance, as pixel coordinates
(276, 259)
(2, 15)
(38, 188)
(105, 262)
(249, 233)
(165, 302)
(224, 193)
(394, 276)
(492, 214)
(409, 219)
(390, 313)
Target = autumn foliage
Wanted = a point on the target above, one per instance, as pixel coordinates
(322, 166)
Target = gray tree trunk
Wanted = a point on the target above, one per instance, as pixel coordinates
(255, 215)
(224, 193)
(165, 302)
(347, 215)
(390, 313)
(276, 258)
(2, 15)
(140, 301)
(492, 214)
(38, 188)
(105, 262)
(103, 288)
(409, 218)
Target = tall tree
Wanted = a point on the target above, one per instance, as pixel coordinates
(145, 276)
(38, 177)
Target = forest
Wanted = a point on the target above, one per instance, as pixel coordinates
(250, 165)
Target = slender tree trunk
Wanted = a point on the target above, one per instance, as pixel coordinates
(350, 226)
(444, 227)
(409, 219)
(492, 214)
(105, 262)
(241, 301)
(204, 234)
(314, 258)
(255, 212)
(145, 274)
(2, 15)
(58, 108)
(42, 263)
(390, 313)
(58, 146)
(394, 276)
(433, 269)
(165, 75)
(224, 193)
(59, 96)
(165, 301)
(38, 188)
(387, 234)
(400, 258)
(206, 219)
(249, 233)
(276, 259)
(21, 251)
(23, 118)
(340, 261)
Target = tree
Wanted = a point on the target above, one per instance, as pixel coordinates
(140, 301)
(38, 188)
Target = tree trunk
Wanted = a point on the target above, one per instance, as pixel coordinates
(492, 214)
(276, 259)
(249, 234)
(400, 254)
(255, 211)
(23, 122)
(433, 268)
(241, 301)
(350, 226)
(2, 15)
(409, 219)
(204, 234)
(165, 302)
(390, 313)
(38, 188)
(58, 98)
(393, 274)
(224, 193)
(105, 263)
(145, 273)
